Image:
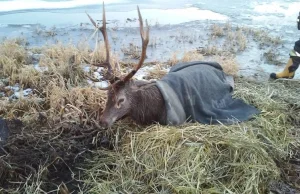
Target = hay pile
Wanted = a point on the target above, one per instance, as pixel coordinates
(245, 158)
(56, 145)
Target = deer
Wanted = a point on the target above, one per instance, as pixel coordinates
(141, 100)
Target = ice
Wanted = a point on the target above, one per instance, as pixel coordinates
(21, 94)
(39, 68)
(15, 88)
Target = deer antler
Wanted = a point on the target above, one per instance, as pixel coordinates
(145, 41)
(109, 74)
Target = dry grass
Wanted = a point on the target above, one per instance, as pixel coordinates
(229, 64)
(210, 50)
(192, 159)
(60, 133)
(195, 158)
(217, 30)
(235, 39)
(64, 61)
(83, 105)
(272, 56)
(28, 76)
(157, 73)
(13, 56)
(132, 51)
(265, 38)
(51, 32)
(186, 56)
(63, 71)
(241, 40)
(59, 119)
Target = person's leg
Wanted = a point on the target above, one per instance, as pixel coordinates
(292, 64)
(288, 71)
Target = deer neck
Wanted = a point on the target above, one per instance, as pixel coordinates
(148, 105)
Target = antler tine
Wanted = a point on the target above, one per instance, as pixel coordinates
(104, 33)
(109, 74)
(145, 41)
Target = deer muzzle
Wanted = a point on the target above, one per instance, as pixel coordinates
(107, 122)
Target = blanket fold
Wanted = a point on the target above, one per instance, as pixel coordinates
(199, 92)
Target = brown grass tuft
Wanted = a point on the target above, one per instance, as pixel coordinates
(186, 57)
(217, 30)
(67, 103)
(228, 63)
(157, 73)
(13, 56)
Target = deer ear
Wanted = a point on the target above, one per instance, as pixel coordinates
(119, 84)
(134, 88)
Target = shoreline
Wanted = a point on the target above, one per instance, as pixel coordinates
(175, 32)
(166, 41)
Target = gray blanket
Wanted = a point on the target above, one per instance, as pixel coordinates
(198, 92)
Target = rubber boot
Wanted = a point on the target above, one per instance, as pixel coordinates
(288, 72)
(292, 64)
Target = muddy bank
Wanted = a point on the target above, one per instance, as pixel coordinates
(47, 156)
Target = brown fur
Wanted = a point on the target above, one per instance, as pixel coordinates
(148, 106)
(143, 102)
(140, 100)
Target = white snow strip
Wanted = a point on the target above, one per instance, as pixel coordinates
(24, 93)
(166, 16)
(15, 5)
(39, 68)
(15, 88)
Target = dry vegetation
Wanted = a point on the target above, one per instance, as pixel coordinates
(132, 51)
(226, 40)
(56, 145)
(272, 57)
(158, 72)
(228, 62)
(53, 125)
(186, 56)
(244, 158)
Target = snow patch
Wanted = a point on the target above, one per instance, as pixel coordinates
(39, 68)
(15, 5)
(101, 84)
(142, 72)
(15, 88)
(23, 93)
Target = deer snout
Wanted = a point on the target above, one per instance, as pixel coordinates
(106, 122)
(103, 122)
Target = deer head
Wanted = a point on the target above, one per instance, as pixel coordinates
(121, 91)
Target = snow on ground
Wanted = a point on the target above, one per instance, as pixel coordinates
(18, 93)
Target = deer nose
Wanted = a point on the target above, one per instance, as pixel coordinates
(103, 122)
(106, 122)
